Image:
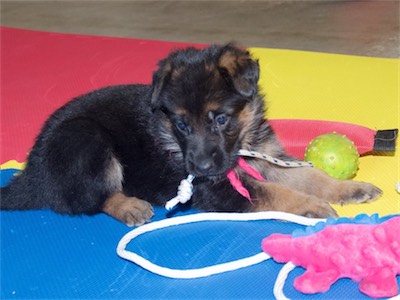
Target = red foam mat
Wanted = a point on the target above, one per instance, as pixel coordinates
(40, 71)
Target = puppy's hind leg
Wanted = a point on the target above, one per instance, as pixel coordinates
(86, 175)
(129, 210)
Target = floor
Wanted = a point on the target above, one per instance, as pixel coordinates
(369, 28)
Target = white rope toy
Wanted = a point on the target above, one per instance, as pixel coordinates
(219, 268)
(185, 192)
(185, 189)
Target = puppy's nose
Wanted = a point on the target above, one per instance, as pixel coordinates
(200, 165)
(204, 166)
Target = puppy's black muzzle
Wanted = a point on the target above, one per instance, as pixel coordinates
(205, 159)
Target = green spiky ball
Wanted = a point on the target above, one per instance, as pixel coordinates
(335, 154)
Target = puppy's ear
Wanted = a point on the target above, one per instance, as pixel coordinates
(238, 67)
(160, 79)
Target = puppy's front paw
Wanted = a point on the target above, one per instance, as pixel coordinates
(129, 210)
(357, 192)
(136, 212)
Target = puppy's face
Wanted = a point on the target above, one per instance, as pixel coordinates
(204, 100)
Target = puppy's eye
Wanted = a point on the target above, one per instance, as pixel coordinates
(221, 119)
(181, 125)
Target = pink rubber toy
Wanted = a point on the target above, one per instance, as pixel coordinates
(366, 253)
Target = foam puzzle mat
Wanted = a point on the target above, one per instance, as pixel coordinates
(46, 255)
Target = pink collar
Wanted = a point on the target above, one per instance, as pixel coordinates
(235, 181)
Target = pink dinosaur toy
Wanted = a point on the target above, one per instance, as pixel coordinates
(366, 253)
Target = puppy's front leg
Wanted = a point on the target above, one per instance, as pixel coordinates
(277, 197)
(315, 182)
(129, 210)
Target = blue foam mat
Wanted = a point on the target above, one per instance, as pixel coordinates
(49, 256)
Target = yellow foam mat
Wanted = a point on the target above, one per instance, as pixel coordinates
(12, 164)
(332, 87)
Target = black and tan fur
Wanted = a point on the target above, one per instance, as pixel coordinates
(118, 149)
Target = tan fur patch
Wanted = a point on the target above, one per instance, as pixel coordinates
(114, 175)
(228, 61)
(181, 111)
(315, 182)
(234, 62)
(210, 106)
(275, 197)
(129, 210)
(245, 116)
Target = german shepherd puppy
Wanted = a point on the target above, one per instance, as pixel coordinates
(120, 149)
